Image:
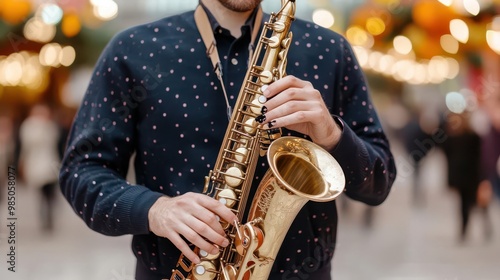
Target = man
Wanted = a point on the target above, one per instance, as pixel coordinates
(154, 92)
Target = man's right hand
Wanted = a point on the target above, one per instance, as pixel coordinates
(194, 216)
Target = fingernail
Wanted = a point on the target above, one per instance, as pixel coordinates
(197, 260)
(271, 124)
(260, 119)
(263, 110)
(264, 89)
(225, 243)
(262, 99)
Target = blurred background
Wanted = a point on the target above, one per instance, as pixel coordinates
(434, 71)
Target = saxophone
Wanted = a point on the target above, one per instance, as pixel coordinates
(299, 171)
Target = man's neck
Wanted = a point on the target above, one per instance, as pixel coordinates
(231, 20)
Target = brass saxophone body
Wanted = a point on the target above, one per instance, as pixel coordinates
(299, 171)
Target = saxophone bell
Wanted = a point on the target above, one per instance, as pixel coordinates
(306, 169)
(299, 171)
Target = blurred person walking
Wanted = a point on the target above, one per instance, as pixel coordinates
(413, 133)
(490, 152)
(490, 159)
(39, 158)
(415, 136)
(489, 187)
(462, 149)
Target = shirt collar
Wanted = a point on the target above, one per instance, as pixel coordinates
(215, 25)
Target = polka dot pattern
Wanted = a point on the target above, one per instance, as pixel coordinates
(153, 93)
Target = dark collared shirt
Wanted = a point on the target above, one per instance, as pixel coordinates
(154, 92)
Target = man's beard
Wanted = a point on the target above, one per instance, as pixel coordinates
(240, 5)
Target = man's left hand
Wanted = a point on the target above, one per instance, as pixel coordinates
(295, 104)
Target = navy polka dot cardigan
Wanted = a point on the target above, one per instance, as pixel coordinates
(153, 92)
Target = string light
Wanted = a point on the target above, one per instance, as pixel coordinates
(402, 60)
(459, 30)
(493, 35)
(402, 44)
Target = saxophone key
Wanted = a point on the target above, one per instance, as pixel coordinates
(266, 77)
(250, 126)
(278, 26)
(204, 271)
(241, 154)
(273, 42)
(282, 54)
(227, 197)
(207, 256)
(233, 176)
(256, 106)
(286, 42)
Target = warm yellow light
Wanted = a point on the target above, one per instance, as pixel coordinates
(357, 36)
(67, 56)
(446, 2)
(453, 68)
(472, 7)
(373, 60)
(49, 55)
(459, 30)
(31, 71)
(438, 69)
(362, 55)
(493, 35)
(375, 26)
(22, 70)
(71, 25)
(323, 18)
(493, 40)
(385, 64)
(402, 44)
(105, 9)
(15, 11)
(403, 70)
(419, 75)
(14, 74)
(449, 44)
(38, 31)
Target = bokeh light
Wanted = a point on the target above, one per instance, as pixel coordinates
(39, 31)
(323, 18)
(449, 44)
(105, 9)
(493, 34)
(455, 102)
(459, 30)
(50, 13)
(472, 7)
(402, 44)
